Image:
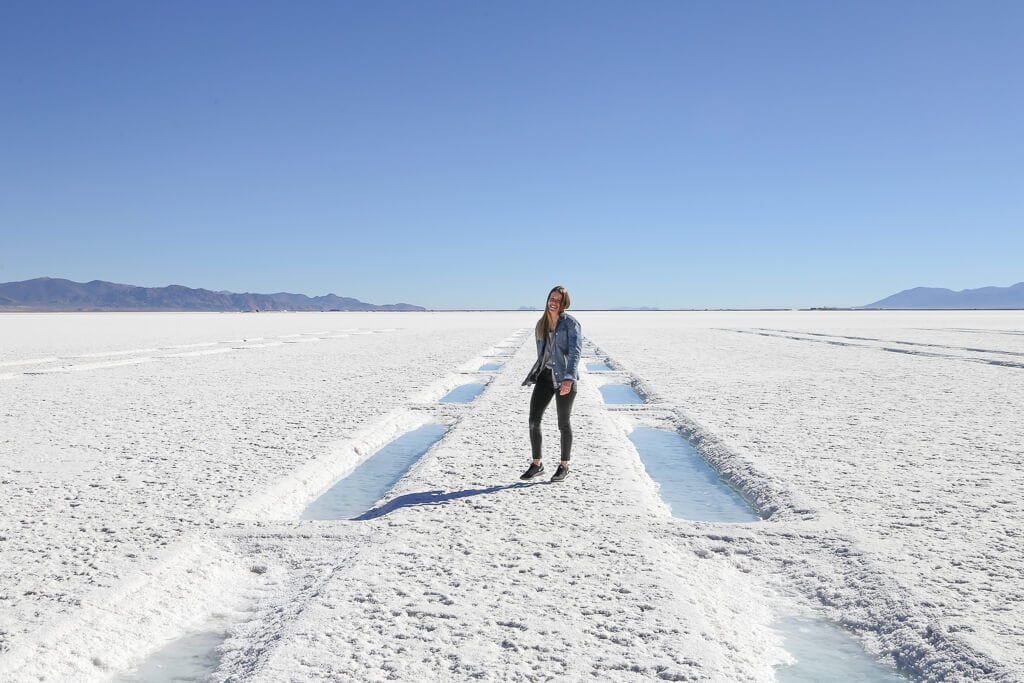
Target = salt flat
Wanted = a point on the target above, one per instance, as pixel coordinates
(155, 465)
(900, 431)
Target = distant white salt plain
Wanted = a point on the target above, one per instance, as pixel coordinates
(155, 468)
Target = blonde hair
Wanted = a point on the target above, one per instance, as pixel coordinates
(542, 329)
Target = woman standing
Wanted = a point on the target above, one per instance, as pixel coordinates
(559, 343)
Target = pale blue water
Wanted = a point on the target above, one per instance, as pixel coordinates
(356, 493)
(190, 658)
(687, 483)
(620, 394)
(598, 367)
(825, 652)
(463, 394)
(490, 366)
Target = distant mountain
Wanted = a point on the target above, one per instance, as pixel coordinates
(936, 297)
(54, 294)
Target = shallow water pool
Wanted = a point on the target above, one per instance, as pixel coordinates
(620, 394)
(825, 652)
(464, 393)
(356, 493)
(686, 482)
(190, 658)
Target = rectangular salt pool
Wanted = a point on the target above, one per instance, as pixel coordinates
(193, 657)
(356, 493)
(824, 652)
(686, 482)
(620, 394)
(464, 393)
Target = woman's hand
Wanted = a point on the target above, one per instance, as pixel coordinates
(565, 388)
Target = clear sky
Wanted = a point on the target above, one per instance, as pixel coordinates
(473, 154)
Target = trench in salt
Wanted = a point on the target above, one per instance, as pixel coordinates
(356, 493)
(464, 393)
(825, 652)
(691, 487)
(620, 394)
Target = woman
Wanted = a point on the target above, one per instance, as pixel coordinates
(559, 343)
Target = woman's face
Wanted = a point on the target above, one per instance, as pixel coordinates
(554, 302)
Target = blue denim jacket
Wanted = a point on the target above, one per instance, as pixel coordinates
(565, 357)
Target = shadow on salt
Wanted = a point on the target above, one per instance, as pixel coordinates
(686, 482)
(356, 493)
(464, 393)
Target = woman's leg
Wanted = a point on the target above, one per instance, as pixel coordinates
(543, 390)
(564, 407)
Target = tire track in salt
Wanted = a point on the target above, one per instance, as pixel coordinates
(971, 330)
(909, 343)
(849, 341)
(72, 363)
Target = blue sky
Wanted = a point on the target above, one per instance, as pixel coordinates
(472, 154)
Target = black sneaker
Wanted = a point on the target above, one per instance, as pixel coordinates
(561, 473)
(532, 471)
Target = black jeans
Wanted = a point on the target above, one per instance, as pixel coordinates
(543, 390)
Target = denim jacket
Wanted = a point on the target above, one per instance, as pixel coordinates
(565, 357)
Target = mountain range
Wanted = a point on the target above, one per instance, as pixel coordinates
(55, 294)
(937, 297)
